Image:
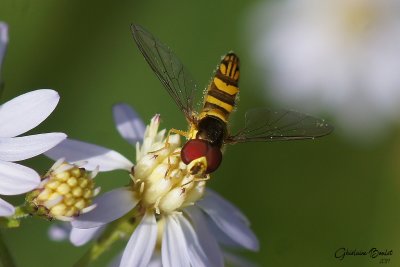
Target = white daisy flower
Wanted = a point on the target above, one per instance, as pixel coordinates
(230, 259)
(18, 116)
(177, 217)
(339, 56)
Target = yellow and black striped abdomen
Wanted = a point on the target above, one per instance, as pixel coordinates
(220, 98)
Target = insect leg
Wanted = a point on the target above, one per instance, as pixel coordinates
(175, 131)
(169, 162)
(198, 179)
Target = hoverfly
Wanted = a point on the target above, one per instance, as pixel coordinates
(208, 129)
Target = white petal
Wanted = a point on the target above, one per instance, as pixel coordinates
(6, 209)
(229, 221)
(74, 150)
(207, 239)
(80, 237)
(3, 33)
(197, 255)
(3, 42)
(128, 123)
(174, 249)
(213, 197)
(26, 111)
(221, 236)
(25, 147)
(17, 179)
(142, 243)
(110, 206)
(155, 260)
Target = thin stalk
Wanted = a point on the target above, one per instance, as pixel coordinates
(121, 227)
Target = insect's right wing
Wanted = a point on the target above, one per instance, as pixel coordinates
(262, 124)
(168, 68)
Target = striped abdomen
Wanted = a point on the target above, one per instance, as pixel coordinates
(219, 100)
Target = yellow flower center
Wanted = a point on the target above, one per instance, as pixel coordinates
(65, 192)
(163, 182)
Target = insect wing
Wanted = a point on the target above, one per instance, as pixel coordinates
(168, 68)
(279, 125)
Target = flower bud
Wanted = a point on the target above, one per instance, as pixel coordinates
(65, 192)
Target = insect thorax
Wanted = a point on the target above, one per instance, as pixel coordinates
(212, 129)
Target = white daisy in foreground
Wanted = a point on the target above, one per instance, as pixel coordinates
(175, 215)
(18, 116)
(339, 56)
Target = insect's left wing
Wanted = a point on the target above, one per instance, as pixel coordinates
(263, 124)
(168, 68)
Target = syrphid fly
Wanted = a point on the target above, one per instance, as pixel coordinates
(208, 129)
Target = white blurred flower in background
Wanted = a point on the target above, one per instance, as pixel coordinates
(3, 47)
(335, 56)
(3, 41)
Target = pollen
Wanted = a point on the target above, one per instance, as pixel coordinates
(163, 181)
(66, 191)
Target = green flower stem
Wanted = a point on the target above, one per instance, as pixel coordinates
(20, 212)
(14, 220)
(6, 259)
(121, 227)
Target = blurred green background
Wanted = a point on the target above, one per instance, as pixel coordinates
(304, 199)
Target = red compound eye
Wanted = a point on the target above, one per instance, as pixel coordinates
(214, 158)
(197, 148)
(194, 149)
